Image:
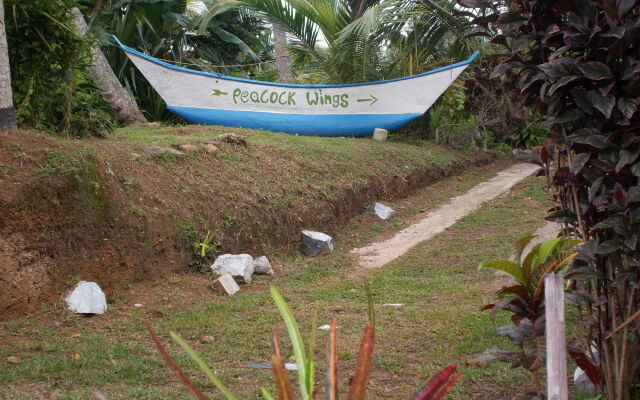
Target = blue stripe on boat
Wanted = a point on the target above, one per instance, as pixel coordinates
(303, 124)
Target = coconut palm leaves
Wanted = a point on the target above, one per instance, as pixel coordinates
(415, 34)
(366, 39)
(170, 30)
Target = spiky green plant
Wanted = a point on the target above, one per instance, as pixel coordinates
(435, 389)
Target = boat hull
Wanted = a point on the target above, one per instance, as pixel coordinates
(302, 124)
(321, 110)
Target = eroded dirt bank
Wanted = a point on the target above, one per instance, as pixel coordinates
(103, 210)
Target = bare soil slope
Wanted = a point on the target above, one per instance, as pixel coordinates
(103, 210)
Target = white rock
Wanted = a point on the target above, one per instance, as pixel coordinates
(582, 382)
(262, 266)
(580, 378)
(290, 367)
(316, 243)
(382, 211)
(227, 284)
(87, 298)
(240, 266)
(380, 134)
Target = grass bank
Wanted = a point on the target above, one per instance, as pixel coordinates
(61, 356)
(106, 211)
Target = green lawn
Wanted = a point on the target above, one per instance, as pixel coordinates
(66, 357)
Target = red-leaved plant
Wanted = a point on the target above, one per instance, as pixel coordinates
(578, 63)
(435, 389)
(524, 299)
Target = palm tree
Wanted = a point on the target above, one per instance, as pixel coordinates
(113, 93)
(168, 30)
(7, 112)
(285, 74)
(366, 39)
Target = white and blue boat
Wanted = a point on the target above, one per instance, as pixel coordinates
(321, 110)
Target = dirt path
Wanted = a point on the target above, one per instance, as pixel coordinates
(548, 231)
(380, 253)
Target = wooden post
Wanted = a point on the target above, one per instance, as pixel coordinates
(7, 112)
(557, 387)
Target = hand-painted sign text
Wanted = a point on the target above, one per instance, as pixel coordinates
(286, 98)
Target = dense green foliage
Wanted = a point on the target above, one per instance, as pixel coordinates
(167, 29)
(52, 89)
(577, 62)
(366, 40)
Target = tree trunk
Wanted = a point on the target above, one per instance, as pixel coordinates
(285, 74)
(113, 93)
(7, 112)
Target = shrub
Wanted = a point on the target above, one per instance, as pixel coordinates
(524, 299)
(51, 87)
(577, 63)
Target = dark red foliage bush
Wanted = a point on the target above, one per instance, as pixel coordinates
(578, 64)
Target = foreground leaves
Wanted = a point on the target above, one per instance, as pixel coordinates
(435, 389)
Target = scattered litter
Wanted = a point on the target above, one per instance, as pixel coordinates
(267, 365)
(227, 284)
(382, 211)
(87, 298)
(394, 304)
(137, 305)
(316, 243)
(324, 327)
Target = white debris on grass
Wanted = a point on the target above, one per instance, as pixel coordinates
(382, 211)
(380, 134)
(240, 266)
(316, 243)
(227, 284)
(87, 298)
(262, 266)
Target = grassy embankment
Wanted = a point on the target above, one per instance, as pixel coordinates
(66, 357)
(104, 210)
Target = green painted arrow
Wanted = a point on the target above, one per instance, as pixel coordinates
(373, 99)
(218, 92)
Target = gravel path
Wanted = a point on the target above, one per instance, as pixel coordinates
(380, 253)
